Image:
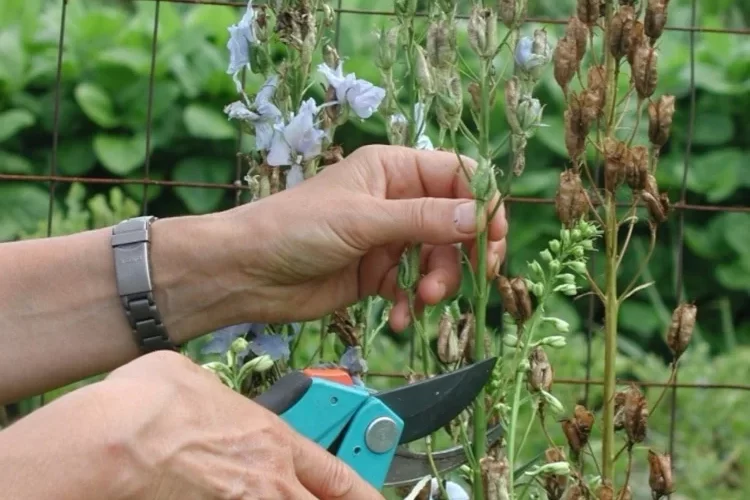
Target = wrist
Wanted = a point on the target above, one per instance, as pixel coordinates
(199, 273)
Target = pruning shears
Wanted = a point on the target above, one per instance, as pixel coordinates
(368, 430)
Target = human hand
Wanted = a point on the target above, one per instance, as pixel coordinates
(186, 436)
(337, 237)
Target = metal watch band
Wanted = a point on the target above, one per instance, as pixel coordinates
(131, 245)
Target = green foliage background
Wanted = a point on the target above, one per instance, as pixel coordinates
(103, 129)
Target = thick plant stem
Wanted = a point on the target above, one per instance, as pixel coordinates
(480, 420)
(610, 339)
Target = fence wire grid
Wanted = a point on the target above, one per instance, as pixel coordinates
(681, 206)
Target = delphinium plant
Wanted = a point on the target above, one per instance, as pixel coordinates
(426, 79)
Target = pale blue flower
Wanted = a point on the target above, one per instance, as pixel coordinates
(222, 339)
(363, 97)
(353, 362)
(262, 114)
(530, 57)
(297, 141)
(454, 491)
(400, 122)
(241, 36)
(276, 346)
(294, 176)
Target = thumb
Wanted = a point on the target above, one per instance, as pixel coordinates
(327, 477)
(435, 221)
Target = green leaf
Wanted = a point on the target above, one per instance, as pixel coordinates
(716, 174)
(713, 129)
(13, 121)
(640, 318)
(96, 104)
(13, 60)
(208, 169)
(207, 123)
(120, 154)
(736, 234)
(75, 156)
(14, 164)
(138, 60)
(22, 207)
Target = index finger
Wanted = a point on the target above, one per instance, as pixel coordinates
(327, 477)
(414, 173)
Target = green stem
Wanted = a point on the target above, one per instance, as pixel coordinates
(480, 420)
(610, 339)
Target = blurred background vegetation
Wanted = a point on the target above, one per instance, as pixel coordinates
(103, 133)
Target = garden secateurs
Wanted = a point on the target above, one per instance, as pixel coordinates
(367, 429)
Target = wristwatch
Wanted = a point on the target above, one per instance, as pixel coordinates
(130, 246)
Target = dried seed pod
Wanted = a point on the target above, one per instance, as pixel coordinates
(681, 329)
(625, 493)
(345, 329)
(578, 31)
(578, 429)
(522, 297)
(495, 477)
(658, 207)
(332, 155)
(637, 173)
(482, 30)
(605, 491)
(660, 114)
(616, 160)
(508, 11)
(507, 297)
(565, 61)
(447, 343)
(578, 118)
(441, 44)
(555, 484)
(588, 11)
(466, 327)
(656, 18)
(645, 73)
(576, 492)
(635, 415)
(541, 373)
(619, 419)
(596, 81)
(571, 201)
(424, 75)
(637, 39)
(620, 29)
(660, 474)
(471, 346)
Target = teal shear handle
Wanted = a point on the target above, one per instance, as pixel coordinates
(347, 420)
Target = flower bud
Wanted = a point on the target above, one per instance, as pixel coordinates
(540, 371)
(260, 364)
(239, 345)
(529, 114)
(408, 268)
(645, 74)
(536, 269)
(660, 113)
(510, 340)
(545, 255)
(554, 245)
(578, 251)
(655, 18)
(660, 474)
(561, 468)
(538, 289)
(554, 266)
(482, 30)
(329, 16)
(681, 328)
(567, 278)
(556, 341)
(578, 267)
(559, 324)
(566, 289)
(424, 76)
(571, 202)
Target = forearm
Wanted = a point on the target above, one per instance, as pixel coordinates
(61, 318)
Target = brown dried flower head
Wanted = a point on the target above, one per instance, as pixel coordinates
(645, 73)
(495, 479)
(681, 329)
(447, 343)
(637, 173)
(515, 298)
(625, 493)
(565, 62)
(660, 114)
(344, 328)
(576, 492)
(555, 484)
(482, 30)
(634, 417)
(596, 82)
(660, 474)
(578, 429)
(588, 11)
(620, 30)
(332, 155)
(470, 348)
(577, 31)
(619, 414)
(578, 116)
(637, 39)
(571, 201)
(466, 329)
(541, 373)
(617, 158)
(659, 206)
(656, 18)
(605, 491)
(508, 10)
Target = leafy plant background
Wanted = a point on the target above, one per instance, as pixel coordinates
(103, 133)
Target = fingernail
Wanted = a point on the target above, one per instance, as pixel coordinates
(465, 217)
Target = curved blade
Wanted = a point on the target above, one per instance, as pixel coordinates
(428, 405)
(409, 467)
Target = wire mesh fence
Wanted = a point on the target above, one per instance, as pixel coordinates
(147, 181)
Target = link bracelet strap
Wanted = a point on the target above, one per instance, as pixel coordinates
(130, 245)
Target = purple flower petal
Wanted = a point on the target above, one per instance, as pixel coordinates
(352, 361)
(275, 346)
(222, 339)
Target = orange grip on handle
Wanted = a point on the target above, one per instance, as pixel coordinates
(338, 375)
